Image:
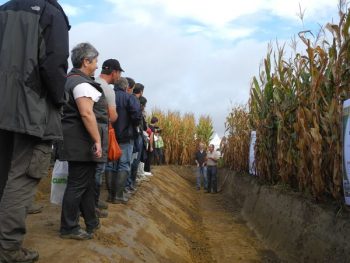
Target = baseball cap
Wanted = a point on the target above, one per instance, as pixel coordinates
(112, 64)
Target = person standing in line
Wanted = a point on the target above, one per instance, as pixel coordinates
(201, 157)
(158, 146)
(33, 68)
(131, 85)
(83, 143)
(150, 148)
(212, 162)
(110, 74)
(129, 117)
(138, 165)
(140, 87)
(131, 182)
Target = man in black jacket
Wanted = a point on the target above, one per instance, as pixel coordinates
(129, 117)
(33, 67)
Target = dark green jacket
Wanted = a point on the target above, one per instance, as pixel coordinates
(77, 142)
(33, 67)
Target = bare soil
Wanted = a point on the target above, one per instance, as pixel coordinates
(167, 220)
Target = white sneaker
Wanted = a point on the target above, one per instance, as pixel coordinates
(140, 174)
(140, 170)
(148, 174)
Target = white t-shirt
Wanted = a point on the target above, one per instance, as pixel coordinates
(86, 90)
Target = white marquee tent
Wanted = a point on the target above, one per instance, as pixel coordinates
(216, 141)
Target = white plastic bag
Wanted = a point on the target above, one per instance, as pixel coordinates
(59, 181)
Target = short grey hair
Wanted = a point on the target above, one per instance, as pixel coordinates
(83, 51)
(122, 83)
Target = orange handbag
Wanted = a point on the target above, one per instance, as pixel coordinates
(114, 151)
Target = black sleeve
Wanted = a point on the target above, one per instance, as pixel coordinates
(144, 123)
(134, 110)
(54, 52)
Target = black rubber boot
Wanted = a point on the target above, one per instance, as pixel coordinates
(109, 185)
(122, 176)
(133, 174)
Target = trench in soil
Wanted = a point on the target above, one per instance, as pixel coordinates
(167, 220)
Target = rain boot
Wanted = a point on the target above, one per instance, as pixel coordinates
(109, 185)
(119, 198)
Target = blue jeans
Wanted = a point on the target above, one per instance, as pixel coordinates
(135, 162)
(212, 179)
(202, 172)
(124, 163)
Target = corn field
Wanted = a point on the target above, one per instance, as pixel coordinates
(204, 130)
(181, 135)
(295, 107)
(238, 128)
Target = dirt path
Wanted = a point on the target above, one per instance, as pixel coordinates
(166, 221)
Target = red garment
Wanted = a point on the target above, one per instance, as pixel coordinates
(149, 132)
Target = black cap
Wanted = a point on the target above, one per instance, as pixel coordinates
(112, 64)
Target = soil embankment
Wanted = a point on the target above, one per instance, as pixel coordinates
(297, 228)
(165, 221)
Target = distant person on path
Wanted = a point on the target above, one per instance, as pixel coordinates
(200, 158)
(110, 74)
(84, 115)
(33, 67)
(212, 161)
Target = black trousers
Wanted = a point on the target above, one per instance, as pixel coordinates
(159, 156)
(79, 197)
(148, 161)
(6, 149)
(212, 178)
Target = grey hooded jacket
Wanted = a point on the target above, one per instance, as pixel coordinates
(33, 66)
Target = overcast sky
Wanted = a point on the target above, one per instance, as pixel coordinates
(192, 55)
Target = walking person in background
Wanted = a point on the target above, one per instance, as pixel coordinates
(110, 74)
(212, 161)
(83, 148)
(33, 68)
(201, 157)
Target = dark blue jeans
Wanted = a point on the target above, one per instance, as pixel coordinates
(202, 172)
(212, 179)
(136, 162)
